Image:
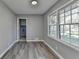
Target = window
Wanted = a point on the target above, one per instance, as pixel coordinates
(68, 24)
(62, 17)
(75, 14)
(53, 25)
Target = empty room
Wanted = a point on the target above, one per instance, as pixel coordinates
(39, 29)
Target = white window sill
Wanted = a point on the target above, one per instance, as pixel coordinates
(65, 43)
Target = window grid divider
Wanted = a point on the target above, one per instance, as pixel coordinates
(58, 29)
(71, 21)
(78, 31)
(64, 22)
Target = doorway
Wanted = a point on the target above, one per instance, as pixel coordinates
(22, 29)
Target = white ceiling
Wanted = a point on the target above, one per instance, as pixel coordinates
(24, 6)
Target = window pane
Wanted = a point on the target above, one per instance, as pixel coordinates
(69, 24)
(74, 34)
(61, 20)
(55, 31)
(75, 18)
(53, 19)
(74, 29)
(67, 19)
(66, 33)
(52, 30)
(74, 41)
(61, 30)
(52, 25)
(76, 10)
(49, 32)
(66, 29)
(50, 19)
(62, 15)
(74, 38)
(67, 15)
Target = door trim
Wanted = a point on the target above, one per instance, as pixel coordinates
(18, 31)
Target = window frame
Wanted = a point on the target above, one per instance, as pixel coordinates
(54, 14)
(58, 25)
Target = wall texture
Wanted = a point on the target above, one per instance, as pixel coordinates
(63, 50)
(34, 26)
(7, 27)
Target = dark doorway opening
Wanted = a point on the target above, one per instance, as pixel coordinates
(22, 24)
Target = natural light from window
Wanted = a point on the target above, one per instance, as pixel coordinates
(68, 24)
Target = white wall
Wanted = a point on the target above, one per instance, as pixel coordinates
(63, 50)
(34, 26)
(7, 27)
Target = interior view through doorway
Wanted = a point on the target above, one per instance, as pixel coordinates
(22, 29)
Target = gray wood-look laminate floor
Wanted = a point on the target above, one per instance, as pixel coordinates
(24, 50)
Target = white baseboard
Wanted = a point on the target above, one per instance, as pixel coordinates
(16, 42)
(34, 40)
(59, 56)
(56, 53)
(7, 49)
